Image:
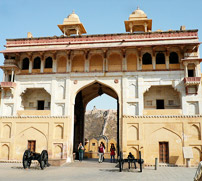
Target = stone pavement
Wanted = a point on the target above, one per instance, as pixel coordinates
(93, 171)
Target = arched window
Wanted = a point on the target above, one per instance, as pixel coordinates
(173, 58)
(37, 63)
(48, 62)
(160, 58)
(25, 64)
(146, 59)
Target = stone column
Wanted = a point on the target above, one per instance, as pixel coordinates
(196, 70)
(55, 62)
(185, 69)
(86, 66)
(12, 75)
(154, 61)
(42, 65)
(30, 66)
(68, 64)
(145, 27)
(167, 61)
(124, 61)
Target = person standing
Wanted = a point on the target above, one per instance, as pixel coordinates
(101, 151)
(103, 154)
(81, 150)
(112, 153)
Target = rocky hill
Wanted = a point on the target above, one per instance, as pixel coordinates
(101, 123)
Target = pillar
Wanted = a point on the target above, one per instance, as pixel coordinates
(185, 70)
(167, 61)
(154, 61)
(12, 75)
(30, 66)
(42, 65)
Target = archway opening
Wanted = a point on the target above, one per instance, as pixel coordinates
(95, 121)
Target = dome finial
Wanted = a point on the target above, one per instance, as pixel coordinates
(73, 12)
(138, 7)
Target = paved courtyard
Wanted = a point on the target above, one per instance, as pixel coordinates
(91, 170)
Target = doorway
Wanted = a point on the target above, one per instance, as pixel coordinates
(163, 152)
(40, 105)
(159, 104)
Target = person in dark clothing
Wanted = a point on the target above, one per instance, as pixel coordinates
(112, 153)
(81, 150)
(103, 154)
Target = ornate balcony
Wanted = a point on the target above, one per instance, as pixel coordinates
(8, 84)
(189, 81)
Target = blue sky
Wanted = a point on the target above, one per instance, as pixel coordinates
(17, 17)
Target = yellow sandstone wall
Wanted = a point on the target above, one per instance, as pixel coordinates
(144, 134)
(50, 133)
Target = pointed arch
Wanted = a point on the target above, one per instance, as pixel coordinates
(132, 133)
(5, 152)
(58, 132)
(168, 130)
(196, 156)
(6, 131)
(195, 132)
(31, 127)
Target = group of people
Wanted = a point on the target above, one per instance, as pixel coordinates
(101, 151)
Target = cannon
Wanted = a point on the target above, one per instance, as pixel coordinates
(42, 158)
(130, 160)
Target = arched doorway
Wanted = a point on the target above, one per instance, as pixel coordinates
(83, 97)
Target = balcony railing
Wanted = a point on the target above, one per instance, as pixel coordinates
(8, 84)
(192, 80)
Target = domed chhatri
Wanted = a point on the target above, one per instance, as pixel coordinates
(138, 22)
(72, 25)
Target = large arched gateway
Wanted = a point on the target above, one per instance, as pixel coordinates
(155, 77)
(83, 97)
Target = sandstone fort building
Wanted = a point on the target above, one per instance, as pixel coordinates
(155, 77)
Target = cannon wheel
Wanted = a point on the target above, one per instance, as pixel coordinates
(120, 162)
(43, 159)
(25, 159)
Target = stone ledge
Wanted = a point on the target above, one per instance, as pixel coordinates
(164, 116)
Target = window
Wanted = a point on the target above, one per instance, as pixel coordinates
(160, 58)
(25, 64)
(40, 105)
(191, 73)
(48, 62)
(37, 63)
(146, 59)
(93, 144)
(173, 58)
(159, 104)
(149, 103)
(31, 145)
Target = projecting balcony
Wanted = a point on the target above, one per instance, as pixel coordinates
(8, 84)
(192, 81)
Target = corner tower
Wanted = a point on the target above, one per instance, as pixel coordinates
(138, 22)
